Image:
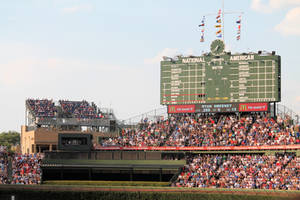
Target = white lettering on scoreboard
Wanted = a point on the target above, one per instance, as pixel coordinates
(242, 57)
(193, 60)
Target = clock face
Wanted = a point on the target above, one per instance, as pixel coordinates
(217, 47)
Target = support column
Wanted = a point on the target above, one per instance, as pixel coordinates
(90, 174)
(160, 175)
(131, 174)
(50, 147)
(34, 148)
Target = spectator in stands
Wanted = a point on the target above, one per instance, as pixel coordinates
(241, 171)
(81, 109)
(229, 130)
(3, 165)
(42, 108)
(26, 169)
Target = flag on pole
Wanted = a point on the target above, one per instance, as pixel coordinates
(238, 22)
(219, 25)
(202, 39)
(202, 30)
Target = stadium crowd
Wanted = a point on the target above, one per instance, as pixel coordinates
(26, 169)
(42, 108)
(81, 109)
(241, 171)
(3, 165)
(78, 109)
(223, 130)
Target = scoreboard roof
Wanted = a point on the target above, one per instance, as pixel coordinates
(220, 78)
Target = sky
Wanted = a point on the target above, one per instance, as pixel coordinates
(109, 52)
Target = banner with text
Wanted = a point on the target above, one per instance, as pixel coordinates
(181, 108)
(253, 107)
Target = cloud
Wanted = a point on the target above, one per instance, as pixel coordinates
(298, 99)
(272, 5)
(77, 8)
(165, 52)
(22, 65)
(290, 25)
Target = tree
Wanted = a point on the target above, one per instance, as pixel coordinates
(9, 138)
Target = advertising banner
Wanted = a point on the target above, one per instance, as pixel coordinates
(181, 108)
(253, 107)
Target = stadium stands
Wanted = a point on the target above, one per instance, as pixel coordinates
(222, 130)
(26, 169)
(76, 109)
(42, 108)
(241, 171)
(81, 109)
(252, 170)
(3, 165)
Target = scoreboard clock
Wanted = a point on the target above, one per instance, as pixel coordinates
(217, 47)
(220, 77)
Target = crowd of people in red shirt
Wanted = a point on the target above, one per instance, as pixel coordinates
(252, 171)
(222, 130)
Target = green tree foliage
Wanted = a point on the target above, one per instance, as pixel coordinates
(9, 138)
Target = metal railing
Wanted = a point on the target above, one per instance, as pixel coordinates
(151, 115)
(284, 112)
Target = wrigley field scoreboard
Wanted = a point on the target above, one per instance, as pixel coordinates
(221, 78)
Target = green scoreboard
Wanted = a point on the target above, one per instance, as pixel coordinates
(220, 77)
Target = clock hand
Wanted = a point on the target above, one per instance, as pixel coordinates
(216, 47)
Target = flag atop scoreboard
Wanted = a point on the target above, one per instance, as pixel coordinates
(218, 77)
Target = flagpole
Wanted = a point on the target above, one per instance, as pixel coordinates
(223, 13)
(223, 36)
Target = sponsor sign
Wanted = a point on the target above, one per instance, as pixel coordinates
(253, 107)
(181, 108)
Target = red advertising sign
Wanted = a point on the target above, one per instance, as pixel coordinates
(253, 107)
(181, 108)
(217, 148)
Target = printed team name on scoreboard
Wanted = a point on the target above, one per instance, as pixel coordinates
(193, 60)
(232, 58)
(242, 57)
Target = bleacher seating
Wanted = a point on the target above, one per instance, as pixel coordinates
(222, 130)
(251, 171)
(42, 108)
(80, 109)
